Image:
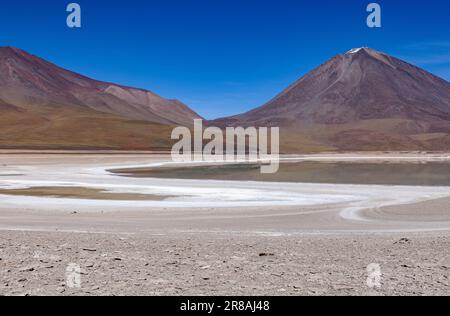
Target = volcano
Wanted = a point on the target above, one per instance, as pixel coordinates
(361, 100)
(45, 106)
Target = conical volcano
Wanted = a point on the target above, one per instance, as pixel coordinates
(360, 100)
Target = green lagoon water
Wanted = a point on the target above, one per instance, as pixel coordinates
(417, 174)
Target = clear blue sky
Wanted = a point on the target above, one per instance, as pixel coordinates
(222, 57)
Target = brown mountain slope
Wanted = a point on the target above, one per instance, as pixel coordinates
(363, 100)
(44, 106)
(53, 127)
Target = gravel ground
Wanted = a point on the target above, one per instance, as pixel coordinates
(34, 263)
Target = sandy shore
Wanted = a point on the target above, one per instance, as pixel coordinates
(215, 237)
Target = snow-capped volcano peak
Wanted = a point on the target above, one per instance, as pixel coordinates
(355, 50)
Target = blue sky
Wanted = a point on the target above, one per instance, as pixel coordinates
(222, 57)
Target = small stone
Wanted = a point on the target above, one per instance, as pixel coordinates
(263, 254)
(28, 269)
(403, 241)
(405, 266)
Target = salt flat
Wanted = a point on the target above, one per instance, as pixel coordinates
(202, 204)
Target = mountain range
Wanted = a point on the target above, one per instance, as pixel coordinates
(363, 100)
(45, 106)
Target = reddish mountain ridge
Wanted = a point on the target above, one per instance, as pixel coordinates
(27, 81)
(43, 105)
(361, 100)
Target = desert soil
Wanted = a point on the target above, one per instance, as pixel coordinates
(35, 263)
